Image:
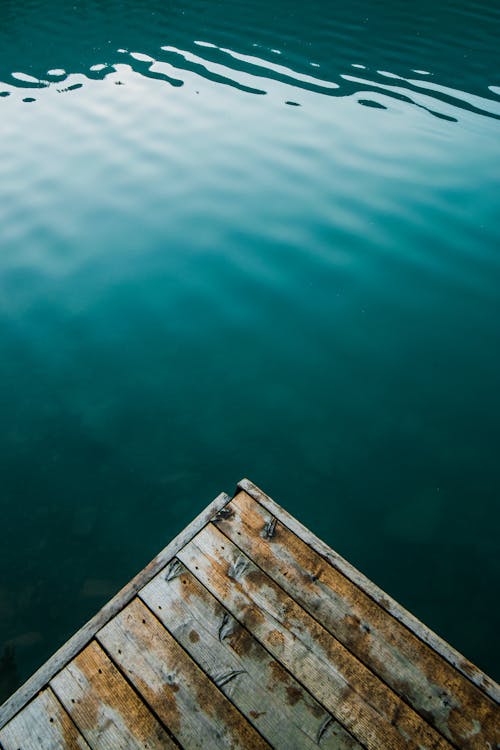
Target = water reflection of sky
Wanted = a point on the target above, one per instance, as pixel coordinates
(200, 279)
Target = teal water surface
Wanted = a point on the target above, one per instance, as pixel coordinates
(255, 239)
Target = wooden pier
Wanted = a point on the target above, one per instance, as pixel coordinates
(247, 631)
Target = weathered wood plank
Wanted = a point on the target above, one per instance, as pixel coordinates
(106, 710)
(450, 702)
(83, 636)
(196, 712)
(42, 725)
(456, 659)
(272, 700)
(372, 712)
(283, 646)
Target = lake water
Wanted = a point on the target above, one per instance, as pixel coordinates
(249, 239)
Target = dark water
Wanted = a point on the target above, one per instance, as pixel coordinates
(256, 239)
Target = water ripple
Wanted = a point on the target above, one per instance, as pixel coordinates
(248, 238)
(253, 73)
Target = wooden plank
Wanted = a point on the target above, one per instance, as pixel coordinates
(106, 710)
(196, 712)
(456, 659)
(450, 702)
(83, 636)
(42, 725)
(375, 715)
(272, 700)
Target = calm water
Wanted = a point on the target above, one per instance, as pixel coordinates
(258, 239)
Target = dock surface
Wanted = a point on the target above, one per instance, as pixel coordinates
(247, 631)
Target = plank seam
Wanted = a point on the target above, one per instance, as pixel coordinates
(355, 656)
(86, 633)
(56, 698)
(138, 694)
(245, 628)
(202, 670)
(273, 656)
(252, 635)
(433, 641)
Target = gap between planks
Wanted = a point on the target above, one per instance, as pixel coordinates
(347, 689)
(173, 684)
(43, 725)
(240, 666)
(82, 637)
(386, 602)
(426, 682)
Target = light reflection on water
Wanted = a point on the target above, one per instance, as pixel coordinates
(251, 240)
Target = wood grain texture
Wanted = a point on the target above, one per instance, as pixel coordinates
(456, 659)
(247, 631)
(443, 696)
(83, 636)
(43, 725)
(269, 696)
(195, 710)
(372, 712)
(104, 707)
